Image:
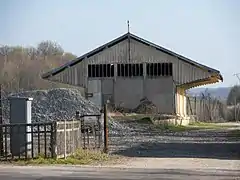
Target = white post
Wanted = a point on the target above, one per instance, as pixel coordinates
(73, 133)
(65, 140)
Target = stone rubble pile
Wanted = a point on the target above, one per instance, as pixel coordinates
(54, 104)
(146, 107)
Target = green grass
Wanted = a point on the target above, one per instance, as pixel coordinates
(141, 118)
(81, 157)
(192, 126)
(210, 125)
(174, 128)
(145, 120)
(234, 133)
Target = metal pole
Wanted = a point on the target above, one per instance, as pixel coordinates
(1, 122)
(105, 130)
(235, 109)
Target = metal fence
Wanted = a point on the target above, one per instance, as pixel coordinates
(51, 139)
(41, 135)
(92, 131)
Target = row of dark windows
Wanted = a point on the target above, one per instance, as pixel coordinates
(130, 70)
(100, 70)
(159, 69)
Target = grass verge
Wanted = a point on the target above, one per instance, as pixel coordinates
(175, 128)
(81, 157)
(130, 117)
(193, 126)
(210, 125)
(234, 133)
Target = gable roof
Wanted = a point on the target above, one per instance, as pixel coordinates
(118, 40)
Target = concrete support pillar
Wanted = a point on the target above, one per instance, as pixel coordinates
(181, 105)
(184, 105)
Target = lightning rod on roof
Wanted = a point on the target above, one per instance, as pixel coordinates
(237, 75)
(129, 56)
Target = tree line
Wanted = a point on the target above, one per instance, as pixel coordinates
(21, 67)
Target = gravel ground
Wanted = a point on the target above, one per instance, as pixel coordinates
(201, 150)
(143, 140)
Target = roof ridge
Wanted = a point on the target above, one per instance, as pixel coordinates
(116, 41)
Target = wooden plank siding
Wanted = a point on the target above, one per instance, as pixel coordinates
(183, 72)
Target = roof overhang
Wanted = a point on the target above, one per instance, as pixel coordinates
(210, 80)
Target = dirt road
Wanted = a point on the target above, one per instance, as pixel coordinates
(91, 173)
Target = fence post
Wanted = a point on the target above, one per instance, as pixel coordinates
(79, 137)
(65, 139)
(73, 133)
(53, 140)
(105, 130)
(195, 105)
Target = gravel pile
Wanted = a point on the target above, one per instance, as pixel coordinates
(61, 104)
(54, 104)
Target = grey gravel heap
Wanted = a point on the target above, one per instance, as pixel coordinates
(61, 104)
(54, 104)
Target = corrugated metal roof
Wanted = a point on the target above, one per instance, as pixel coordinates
(116, 41)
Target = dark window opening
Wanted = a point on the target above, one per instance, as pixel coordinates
(97, 70)
(122, 70)
(112, 70)
(133, 70)
(126, 70)
(159, 69)
(167, 69)
(100, 70)
(104, 71)
(108, 70)
(170, 69)
(94, 70)
(89, 70)
(141, 70)
(118, 70)
(155, 70)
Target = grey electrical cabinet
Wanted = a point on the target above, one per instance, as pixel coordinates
(20, 133)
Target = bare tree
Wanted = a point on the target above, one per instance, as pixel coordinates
(233, 102)
(21, 68)
(4, 51)
(32, 53)
(48, 48)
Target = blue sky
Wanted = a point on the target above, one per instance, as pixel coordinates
(208, 31)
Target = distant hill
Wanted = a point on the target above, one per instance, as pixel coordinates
(221, 92)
